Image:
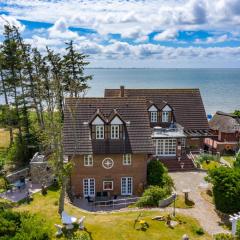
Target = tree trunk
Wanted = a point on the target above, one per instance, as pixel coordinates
(62, 195)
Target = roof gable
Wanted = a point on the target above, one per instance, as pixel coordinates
(152, 108)
(116, 121)
(97, 121)
(167, 108)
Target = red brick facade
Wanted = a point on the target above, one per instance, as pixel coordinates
(137, 170)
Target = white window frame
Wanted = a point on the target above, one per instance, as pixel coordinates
(99, 131)
(166, 147)
(88, 160)
(89, 187)
(115, 131)
(127, 159)
(107, 189)
(154, 116)
(165, 116)
(126, 186)
(109, 160)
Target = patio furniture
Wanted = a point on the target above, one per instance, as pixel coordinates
(81, 223)
(68, 220)
(59, 230)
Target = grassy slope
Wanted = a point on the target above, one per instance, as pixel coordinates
(211, 165)
(114, 226)
(229, 159)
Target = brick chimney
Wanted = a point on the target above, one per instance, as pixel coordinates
(122, 91)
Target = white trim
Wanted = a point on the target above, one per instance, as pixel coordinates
(99, 132)
(127, 193)
(166, 147)
(89, 182)
(86, 161)
(108, 189)
(97, 121)
(152, 109)
(166, 109)
(116, 121)
(153, 116)
(126, 161)
(105, 160)
(115, 131)
(165, 116)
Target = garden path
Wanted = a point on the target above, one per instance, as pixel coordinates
(203, 210)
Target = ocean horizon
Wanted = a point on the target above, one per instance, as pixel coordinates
(220, 88)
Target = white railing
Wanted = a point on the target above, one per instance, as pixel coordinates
(116, 202)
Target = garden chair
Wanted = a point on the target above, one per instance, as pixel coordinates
(81, 223)
(59, 230)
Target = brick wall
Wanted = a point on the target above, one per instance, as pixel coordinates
(138, 171)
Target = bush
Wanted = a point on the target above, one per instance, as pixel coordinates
(152, 196)
(226, 188)
(207, 157)
(22, 226)
(157, 175)
(199, 231)
(237, 162)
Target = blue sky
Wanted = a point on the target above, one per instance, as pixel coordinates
(133, 33)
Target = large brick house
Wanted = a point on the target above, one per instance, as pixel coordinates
(111, 139)
(226, 126)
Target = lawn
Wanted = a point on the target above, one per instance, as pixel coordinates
(229, 159)
(180, 202)
(4, 139)
(114, 226)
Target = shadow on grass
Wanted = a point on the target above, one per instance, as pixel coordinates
(75, 233)
(189, 203)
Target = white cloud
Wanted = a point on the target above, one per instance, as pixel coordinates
(5, 20)
(169, 34)
(218, 39)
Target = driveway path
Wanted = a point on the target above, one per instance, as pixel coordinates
(203, 211)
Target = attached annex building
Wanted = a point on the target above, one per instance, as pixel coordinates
(111, 139)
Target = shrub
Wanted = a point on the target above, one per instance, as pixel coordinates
(207, 157)
(152, 195)
(226, 188)
(237, 162)
(21, 226)
(199, 231)
(155, 173)
(81, 236)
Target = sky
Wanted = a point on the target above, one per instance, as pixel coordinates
(133, 33)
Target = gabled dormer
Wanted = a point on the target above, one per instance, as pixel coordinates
(166, 114)
(116, 125)
(97, 125)
(153, 113)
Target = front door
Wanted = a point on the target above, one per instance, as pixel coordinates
(89, 187)
(166, 147)
(126, 185)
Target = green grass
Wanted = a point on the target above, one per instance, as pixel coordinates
(210, 165)
(4, 139)
(180, 202)
(229, 159)
(114, 226)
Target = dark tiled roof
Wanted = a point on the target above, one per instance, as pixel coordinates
(186, 103)
(224, 122)
(79, 111)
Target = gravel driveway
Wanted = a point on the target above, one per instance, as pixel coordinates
(203, 211)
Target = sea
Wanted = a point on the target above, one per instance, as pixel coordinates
(220, 88)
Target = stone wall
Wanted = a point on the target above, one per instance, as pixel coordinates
(41, 172)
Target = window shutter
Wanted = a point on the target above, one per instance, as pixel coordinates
(93, 132)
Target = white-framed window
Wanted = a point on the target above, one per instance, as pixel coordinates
(107, 185)
(165, 116)
(115, 131)
(88, 160)
(166, 147)
(89, 187)
(153, 117)
(126, 185)
(127, 159)
(100, 132)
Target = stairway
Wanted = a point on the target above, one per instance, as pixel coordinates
(173, 165)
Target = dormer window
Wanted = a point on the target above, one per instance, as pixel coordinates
(165, 116)
(166, 111)
(116, 128)
(99, 131)
(115, 131)
(153, 116)
(153, 112)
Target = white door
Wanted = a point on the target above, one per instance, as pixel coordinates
(89, 187)
(166, 147)
(126, 186)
